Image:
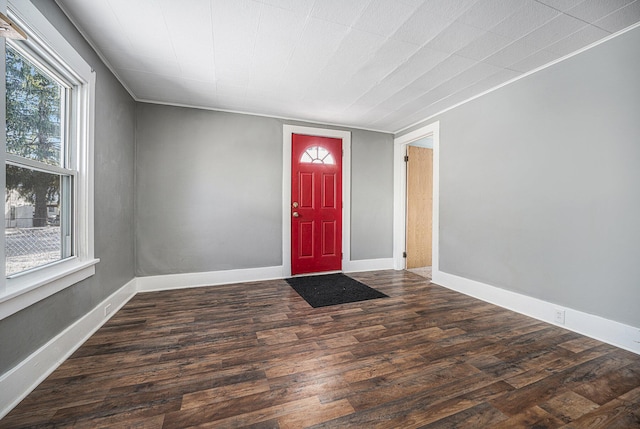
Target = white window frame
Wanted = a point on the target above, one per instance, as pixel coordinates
(23, 290)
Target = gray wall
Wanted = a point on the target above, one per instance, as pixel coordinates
(24, 332)
(209, 191)
(540, 184)
(209, 194)
(371, 195)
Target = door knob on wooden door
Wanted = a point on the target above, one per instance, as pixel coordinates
(295, 214)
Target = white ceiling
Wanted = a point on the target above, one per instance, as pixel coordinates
(373, 64)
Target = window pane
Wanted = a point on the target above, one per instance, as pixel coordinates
(317, 155)
(36, 215)
(33, 111)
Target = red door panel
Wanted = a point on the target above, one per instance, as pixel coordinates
(316, 204)
(328, 238)
(306, 240)
(328, 191)
(306, 190)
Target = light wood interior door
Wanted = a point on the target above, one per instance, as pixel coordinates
(419, 206)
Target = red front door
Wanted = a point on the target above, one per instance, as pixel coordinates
(316, 204)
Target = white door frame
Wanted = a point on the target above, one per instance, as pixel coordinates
(287, 132)
(400, 194)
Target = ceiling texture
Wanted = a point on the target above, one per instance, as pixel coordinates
(374, 64)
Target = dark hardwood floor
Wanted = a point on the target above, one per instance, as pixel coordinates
(257, 355)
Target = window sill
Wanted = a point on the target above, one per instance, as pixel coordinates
(23, 291)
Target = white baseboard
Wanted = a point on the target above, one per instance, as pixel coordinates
(18, 382)
(609, 331)
(368, 265)
(211, 278)
(214, 278)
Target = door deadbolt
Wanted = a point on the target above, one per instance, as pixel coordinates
(295, 205)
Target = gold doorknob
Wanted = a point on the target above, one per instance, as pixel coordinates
(295, 205)
(295, 214)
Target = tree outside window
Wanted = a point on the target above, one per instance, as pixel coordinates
(35, 181)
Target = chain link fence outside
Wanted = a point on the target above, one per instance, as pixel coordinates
(28, 248)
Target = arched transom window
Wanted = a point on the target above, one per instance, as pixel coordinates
(317, 155)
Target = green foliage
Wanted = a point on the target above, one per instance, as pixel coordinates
(33, 131)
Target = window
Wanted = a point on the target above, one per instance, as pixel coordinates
(48, 163)
(317, 155)
(39, 176)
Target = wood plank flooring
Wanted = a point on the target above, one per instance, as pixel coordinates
(256, 355)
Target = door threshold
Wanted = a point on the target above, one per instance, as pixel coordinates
(317, 274)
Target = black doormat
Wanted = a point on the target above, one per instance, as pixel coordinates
(332, 289)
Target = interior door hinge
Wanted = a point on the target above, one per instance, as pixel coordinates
(406, 158)
(404, 254)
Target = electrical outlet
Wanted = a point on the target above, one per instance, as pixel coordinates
(107, 309)
(558, 316)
